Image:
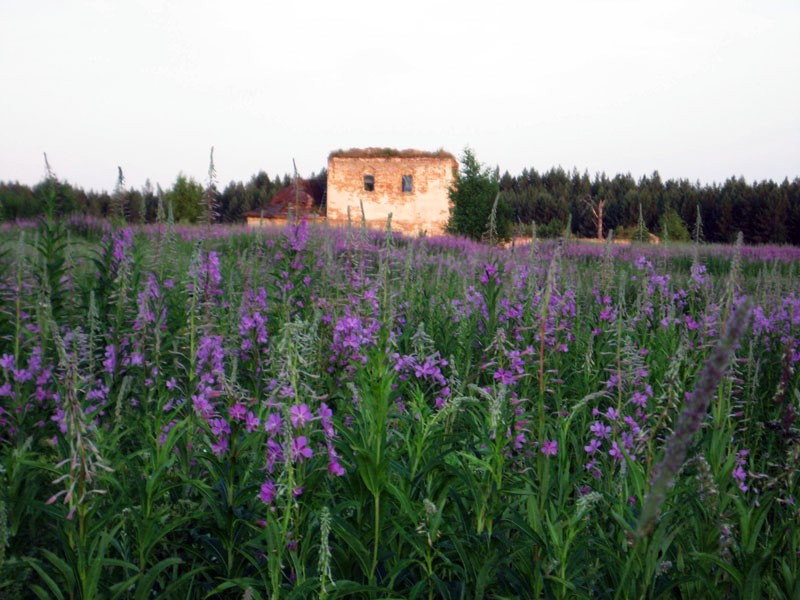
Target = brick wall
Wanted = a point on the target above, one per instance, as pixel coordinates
(424, 208)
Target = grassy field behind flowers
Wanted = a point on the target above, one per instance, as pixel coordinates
(292, 413)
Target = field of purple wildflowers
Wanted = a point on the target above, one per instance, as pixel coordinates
(216, 412)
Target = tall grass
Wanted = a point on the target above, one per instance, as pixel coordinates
(312, 412)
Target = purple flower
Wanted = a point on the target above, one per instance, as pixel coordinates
(594, 446)
(202, 406)
(207, 274)
(300, 449)
(297, 235)
(639, 399)
(739, 473)
(273, 423)
(22, 375)
(237, 412)
(220, 447)
(607, 314)
(145, 300)
(326, 419)
(599, 430)
(210, 354)
(627, 441)
(550, 448)
(631, 422)
(505, 377)
(615, 451)
(300, 415)
(274, 454)
(428, 369)
(110, 363)
(60, 418)
(219, 426)
(7, 362)
(698, 274)
(251, 422)
(252, 325)
(489, 273)
(122, 243)
(591, 466)
(351, 336)
(761, 322)
(268, 492)
(334, 466)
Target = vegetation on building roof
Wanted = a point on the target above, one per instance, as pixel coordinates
(389, 153)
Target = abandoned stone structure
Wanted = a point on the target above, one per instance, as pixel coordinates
(410, 184)
(302, 199)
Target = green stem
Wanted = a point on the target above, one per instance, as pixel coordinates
(429, 561)
(376, 536)
(192, 333)
(231, 470)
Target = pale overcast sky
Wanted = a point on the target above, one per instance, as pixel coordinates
(695, 89)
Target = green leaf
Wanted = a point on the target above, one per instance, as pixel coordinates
(148, 579)
(49, 582)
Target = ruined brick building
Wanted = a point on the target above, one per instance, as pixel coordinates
(411, 184)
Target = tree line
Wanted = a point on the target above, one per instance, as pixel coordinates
(187, 199)
(765, 212)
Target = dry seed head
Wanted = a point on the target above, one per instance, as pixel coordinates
(707, 487)
(691, 418)
(422, 343)
(430, 508)
(587, 502)
(325, 574)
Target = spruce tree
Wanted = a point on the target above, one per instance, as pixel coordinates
(473, 196)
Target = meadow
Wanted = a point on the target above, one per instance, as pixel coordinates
(298, 412)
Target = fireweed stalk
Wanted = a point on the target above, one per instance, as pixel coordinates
(543, 466)
(204, 291)
(691, 419)
(293, 428)
(84, 462)
(622, 430)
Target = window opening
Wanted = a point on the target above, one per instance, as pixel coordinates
(408, 183)
(369, 183)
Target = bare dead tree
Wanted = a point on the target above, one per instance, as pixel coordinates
(596, 207)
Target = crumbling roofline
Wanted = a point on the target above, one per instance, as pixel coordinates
(389, 153)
